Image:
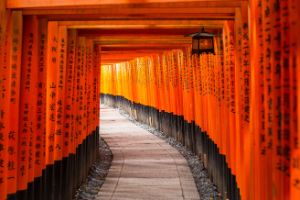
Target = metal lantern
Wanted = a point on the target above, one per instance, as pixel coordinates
(203, 42)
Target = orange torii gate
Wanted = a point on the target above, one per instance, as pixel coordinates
(49, 121)
(237, 109)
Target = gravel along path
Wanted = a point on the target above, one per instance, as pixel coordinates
(97, 174)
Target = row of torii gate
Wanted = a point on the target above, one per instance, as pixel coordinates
(51, 52)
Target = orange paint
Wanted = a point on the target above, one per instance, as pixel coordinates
(69, 138)
(14, 67)
(60, 74)
(3, 101)
(51, 88)
(28, 107)
(40, 136)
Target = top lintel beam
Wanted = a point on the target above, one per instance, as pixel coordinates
(17, 4)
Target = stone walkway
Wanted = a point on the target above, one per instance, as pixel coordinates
(144, 166)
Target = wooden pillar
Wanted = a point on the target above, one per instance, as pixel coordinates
(294, 9)
(27, 109)
(69, 135)
(14, 48)
(40, 122)
(51, 104)
(4, 84)
(59, 109)
(256, 98)
(242, 88)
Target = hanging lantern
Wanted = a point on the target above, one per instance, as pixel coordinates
(202, 42)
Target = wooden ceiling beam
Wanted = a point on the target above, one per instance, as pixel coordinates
(142, 46)
(17, 4)
(141, 39)
(141, 24)
(120, 54)
(145, 32)
(136, 53)
(119, 58)
(131, 51)
(111, 62)
(141, 42)
(137, 32)
(212, 16)
(126, 56)
(131, 11)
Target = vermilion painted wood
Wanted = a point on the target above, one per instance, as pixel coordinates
(238, 86)
(70, 90)
(277, 176)
(256, 105)
(116, 16)
(3, 100)
(75, 98)
(27, 109)
(40, 161)
(82, 3)
(286, 94)
(163, 30)
(141, 40)
(200, 10)
(141, 10)
(120, 57)
(145, 48)
(81, 93)
(242, 142)
(60, 74)
(295, 194)
(140, 23)
(51, 88)
(89, 79)
(14, 49)
(96, 84)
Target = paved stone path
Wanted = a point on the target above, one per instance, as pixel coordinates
(144, 166)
